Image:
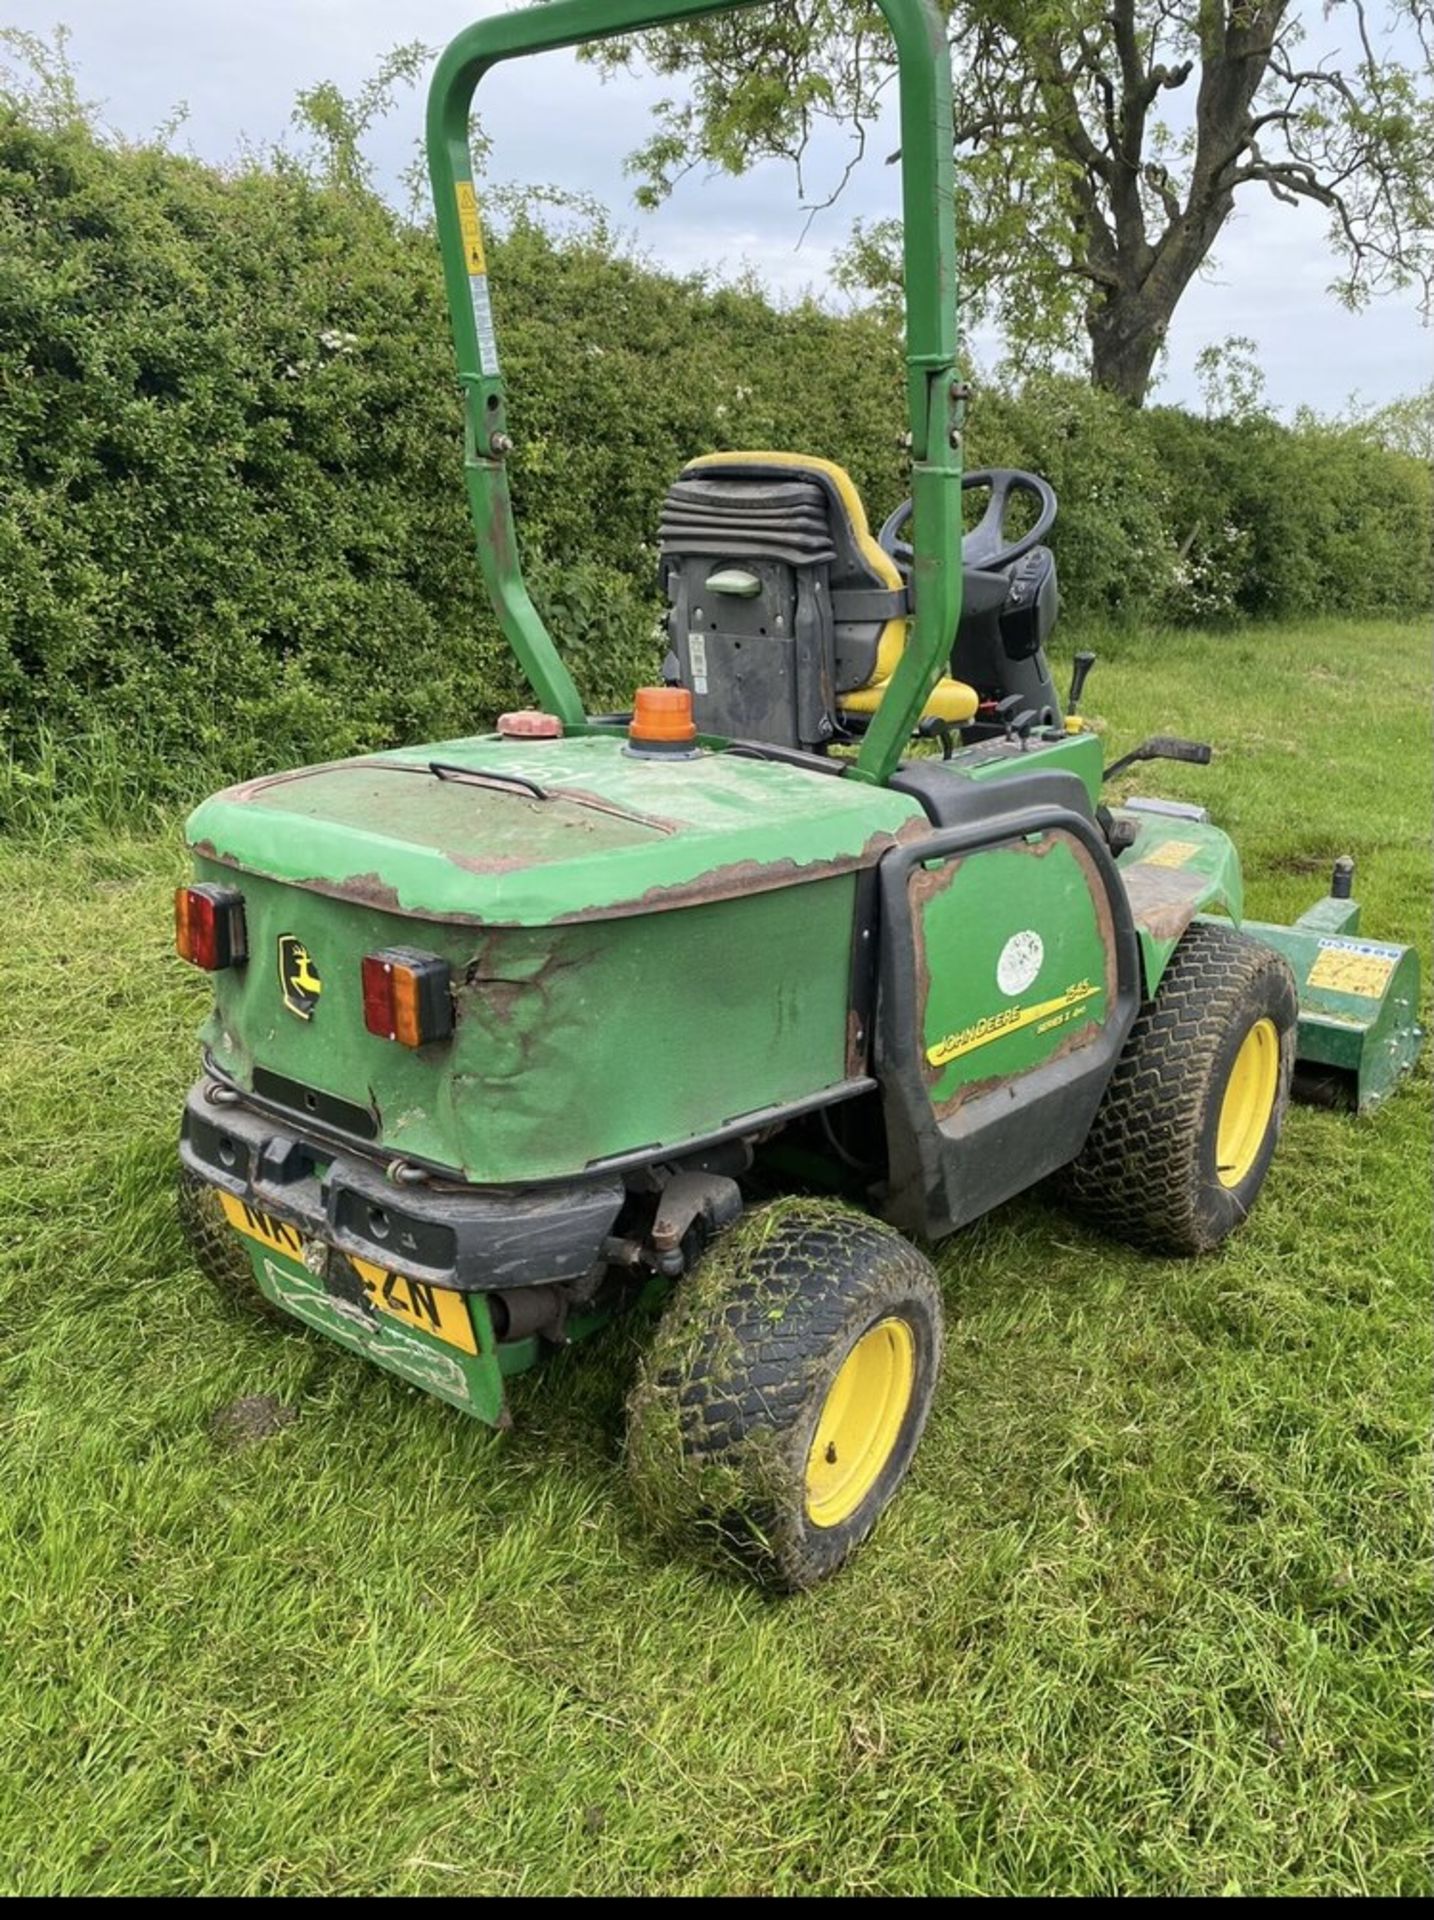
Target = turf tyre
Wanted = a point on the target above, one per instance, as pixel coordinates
(219, 1252)
(1149, 1172)
(724, 1416)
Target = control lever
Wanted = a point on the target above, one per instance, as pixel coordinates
(934, 729)
(1080, 673)
(1005, 711)
(1162, 747)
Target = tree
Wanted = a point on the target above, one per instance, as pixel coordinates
(1102, 144)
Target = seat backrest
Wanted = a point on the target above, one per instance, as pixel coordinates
(779, 599)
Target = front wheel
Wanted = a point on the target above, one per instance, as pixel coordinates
(781, 1402)
(1184, 1136)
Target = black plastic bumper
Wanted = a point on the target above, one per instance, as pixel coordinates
(475, 1239)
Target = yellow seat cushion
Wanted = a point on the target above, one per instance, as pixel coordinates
(951, 700)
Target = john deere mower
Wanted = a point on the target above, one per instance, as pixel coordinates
(725, 1007)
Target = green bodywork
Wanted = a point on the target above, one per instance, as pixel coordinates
(573, 1045)
(673, 933)
(602, 941)
(1025, 961)
(1359, 999)
(1175, 870)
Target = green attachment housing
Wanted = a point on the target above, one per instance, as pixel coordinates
(1359, 1029)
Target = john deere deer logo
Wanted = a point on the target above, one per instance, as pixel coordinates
(298, 977)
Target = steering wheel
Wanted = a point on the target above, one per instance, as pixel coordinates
(985, 546)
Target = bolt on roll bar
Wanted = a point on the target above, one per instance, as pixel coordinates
(934, 399)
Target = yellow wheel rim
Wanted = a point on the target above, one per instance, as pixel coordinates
(860, 1422)
(1248, 1103)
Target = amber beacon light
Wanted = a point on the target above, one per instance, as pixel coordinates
(662, 721)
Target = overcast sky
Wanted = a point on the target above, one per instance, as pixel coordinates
(236, 65)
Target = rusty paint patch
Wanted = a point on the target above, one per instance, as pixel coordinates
(927, 882)
(1079, 1037)
(733, 881)
(738, 879)
(918, 827)
(1104, 918)
(922, 887)
(856, 1045)
(366, 889)
(1163, 900)
(489, 862)
(503, 994)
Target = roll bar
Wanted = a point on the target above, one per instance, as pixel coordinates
(934, 398)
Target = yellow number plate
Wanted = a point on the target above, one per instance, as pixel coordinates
(263, 1227)
(436, 1310)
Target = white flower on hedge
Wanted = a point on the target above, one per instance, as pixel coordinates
(336, 342)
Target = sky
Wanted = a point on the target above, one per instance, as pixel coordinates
(236, 66)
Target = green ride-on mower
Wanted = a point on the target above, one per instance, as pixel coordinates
(514, 1031)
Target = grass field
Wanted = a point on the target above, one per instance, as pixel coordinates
(1152, 1616)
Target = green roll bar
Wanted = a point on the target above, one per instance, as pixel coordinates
(935, 398)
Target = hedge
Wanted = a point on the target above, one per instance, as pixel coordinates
(232, 522)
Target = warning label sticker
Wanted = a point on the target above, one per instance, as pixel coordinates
(472, 229)
(1170, 853)
(476, 261)
(697, 653)
(1358, 967)
(483, 325)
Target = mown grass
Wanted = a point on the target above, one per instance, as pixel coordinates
(1152, 1615)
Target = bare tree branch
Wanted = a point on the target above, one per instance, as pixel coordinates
(1081, 211)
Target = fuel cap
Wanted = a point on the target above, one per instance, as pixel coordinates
(528, 723)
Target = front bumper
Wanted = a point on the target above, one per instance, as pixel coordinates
(471, 1239)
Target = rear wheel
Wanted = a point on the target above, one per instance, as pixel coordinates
(1189, 1124)
(786, 1389)
(220, 1253)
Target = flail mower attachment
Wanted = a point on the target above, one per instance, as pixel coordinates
(1359, 1001)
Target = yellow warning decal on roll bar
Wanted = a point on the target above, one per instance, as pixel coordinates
(474, 257)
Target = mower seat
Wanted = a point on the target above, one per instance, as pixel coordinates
(784, 614)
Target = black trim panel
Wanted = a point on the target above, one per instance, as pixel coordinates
(310, 1104)
(944, 1173)
(474, 1239)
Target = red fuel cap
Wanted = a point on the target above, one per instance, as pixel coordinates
(529, 724)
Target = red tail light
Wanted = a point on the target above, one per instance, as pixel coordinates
(406, 996)
(209, 928)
